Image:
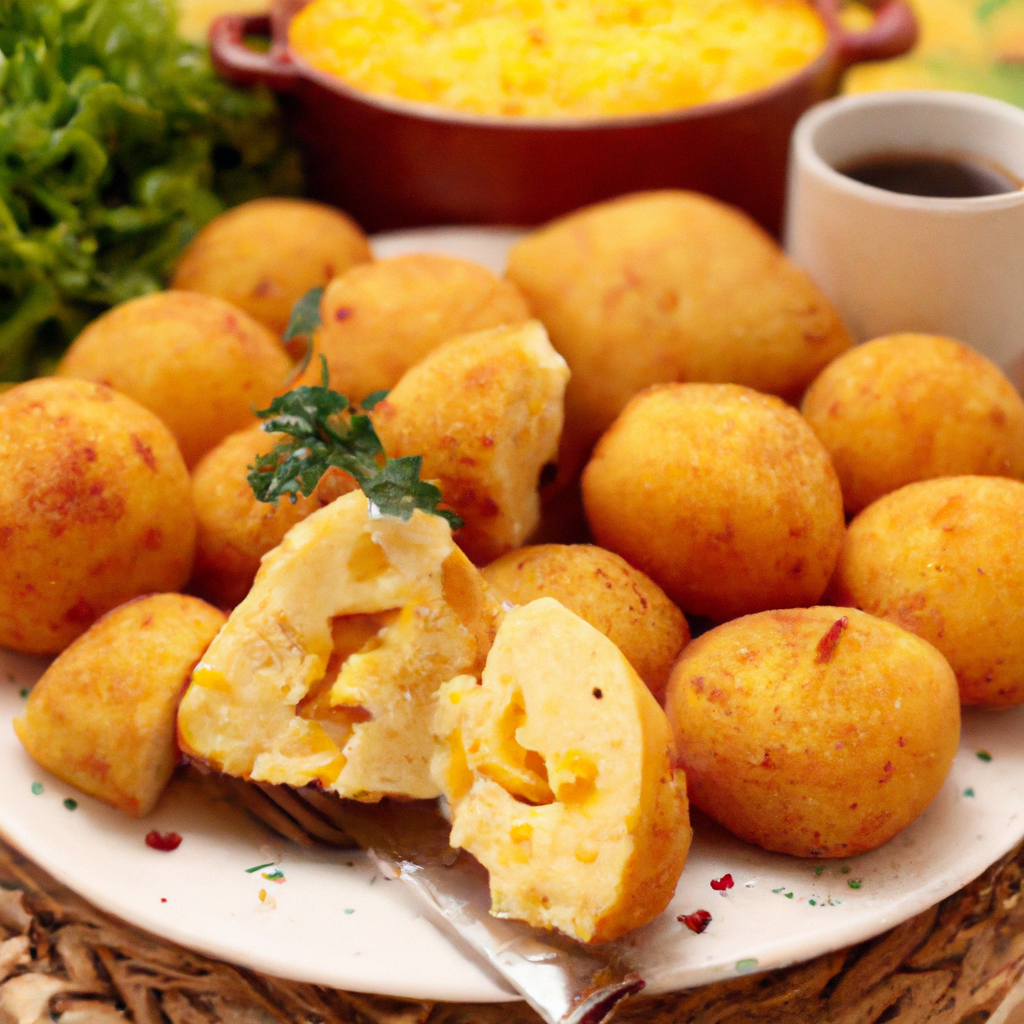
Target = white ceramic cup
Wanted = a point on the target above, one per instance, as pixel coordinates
(893, 262)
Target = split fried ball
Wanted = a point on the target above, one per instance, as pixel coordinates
(669, 286)
(235, 529)
(942, 558)
(102, 717)
(202, 365)
(605, 590)
(264, 255)
(382, 318)
(558, 766)
(722, 495)
(95, 509)
(909, 407)
(817, 732)
(484, 410)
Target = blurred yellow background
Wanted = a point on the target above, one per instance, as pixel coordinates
(973, 45)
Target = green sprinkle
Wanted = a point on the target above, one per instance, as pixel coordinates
(789, 895)
(819, 871)
(70, 804)
(854, 883)
(782, 889)
(845, 871)
(273, 876)
(968, 792)
(23, 692)
(745, 966)
(984, 755)
(37, 788)
(349, 910)
(259, 867)
(813, 903)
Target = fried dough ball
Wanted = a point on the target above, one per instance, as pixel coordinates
(485, 411)
(382, 318)
(605, 590)
(909, 407)
(327, 671)
(236, 530)
(942, 558)
(669, 286)
(199, 363)
(95, 509)
(557, 764)
(264, 255)
(722, 495)
(102, 717)
(817, 732)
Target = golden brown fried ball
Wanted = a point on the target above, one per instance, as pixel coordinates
(95, 509)
(236, 530)
(669, 286)
(103, 715)
(817, 732)
(264, 255)
(722, 495)
(202, 365)
(942, 558)
(910, 407)
(484, 411)
(604, 590)
(382, 318)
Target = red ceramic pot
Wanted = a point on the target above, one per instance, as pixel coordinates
(392, 164)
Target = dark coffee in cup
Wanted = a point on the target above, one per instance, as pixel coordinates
(942, 175)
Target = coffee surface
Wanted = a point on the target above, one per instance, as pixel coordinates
(953, 176)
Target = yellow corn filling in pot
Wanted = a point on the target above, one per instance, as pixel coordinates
(548, 58)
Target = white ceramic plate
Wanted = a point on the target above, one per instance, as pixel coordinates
(325, 916)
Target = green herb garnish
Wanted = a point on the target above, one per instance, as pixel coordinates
(117, 143)
(327, 431)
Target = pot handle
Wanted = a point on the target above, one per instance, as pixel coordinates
(243, 65)
(892, 34)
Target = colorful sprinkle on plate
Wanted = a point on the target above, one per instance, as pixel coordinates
(165, 841)
(37, 788)
(259, 867)
(723, 883)
(70, 804)
(984, 755)
(696, 922)
(746, 966)
(854, 883)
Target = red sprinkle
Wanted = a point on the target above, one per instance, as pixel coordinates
(828, 643)
(166, 841)
(723, 883)
(696, 922)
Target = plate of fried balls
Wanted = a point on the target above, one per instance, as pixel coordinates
(793, 563)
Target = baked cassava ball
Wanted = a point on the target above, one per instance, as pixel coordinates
(264, 255)
(95, 509)
(817, 732)
(384, 317)
(668, 286)
(102, 717)
(942, 558)
(909, 407)
(722, 495)
(604, 590)
(235, 530)
(202, 365)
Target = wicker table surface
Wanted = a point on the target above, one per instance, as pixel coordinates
(962, 962)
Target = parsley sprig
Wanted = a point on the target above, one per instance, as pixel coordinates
(325, 430)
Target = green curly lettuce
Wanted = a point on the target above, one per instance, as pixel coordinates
(117, 143)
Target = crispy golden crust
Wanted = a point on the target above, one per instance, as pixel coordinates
(941, 558)
(202, 365)
(102, 717)
(817, 732)
(669, 286)
(95, 509)
(722, 495)
(605, 590)
(911, 407)
(264, 255)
